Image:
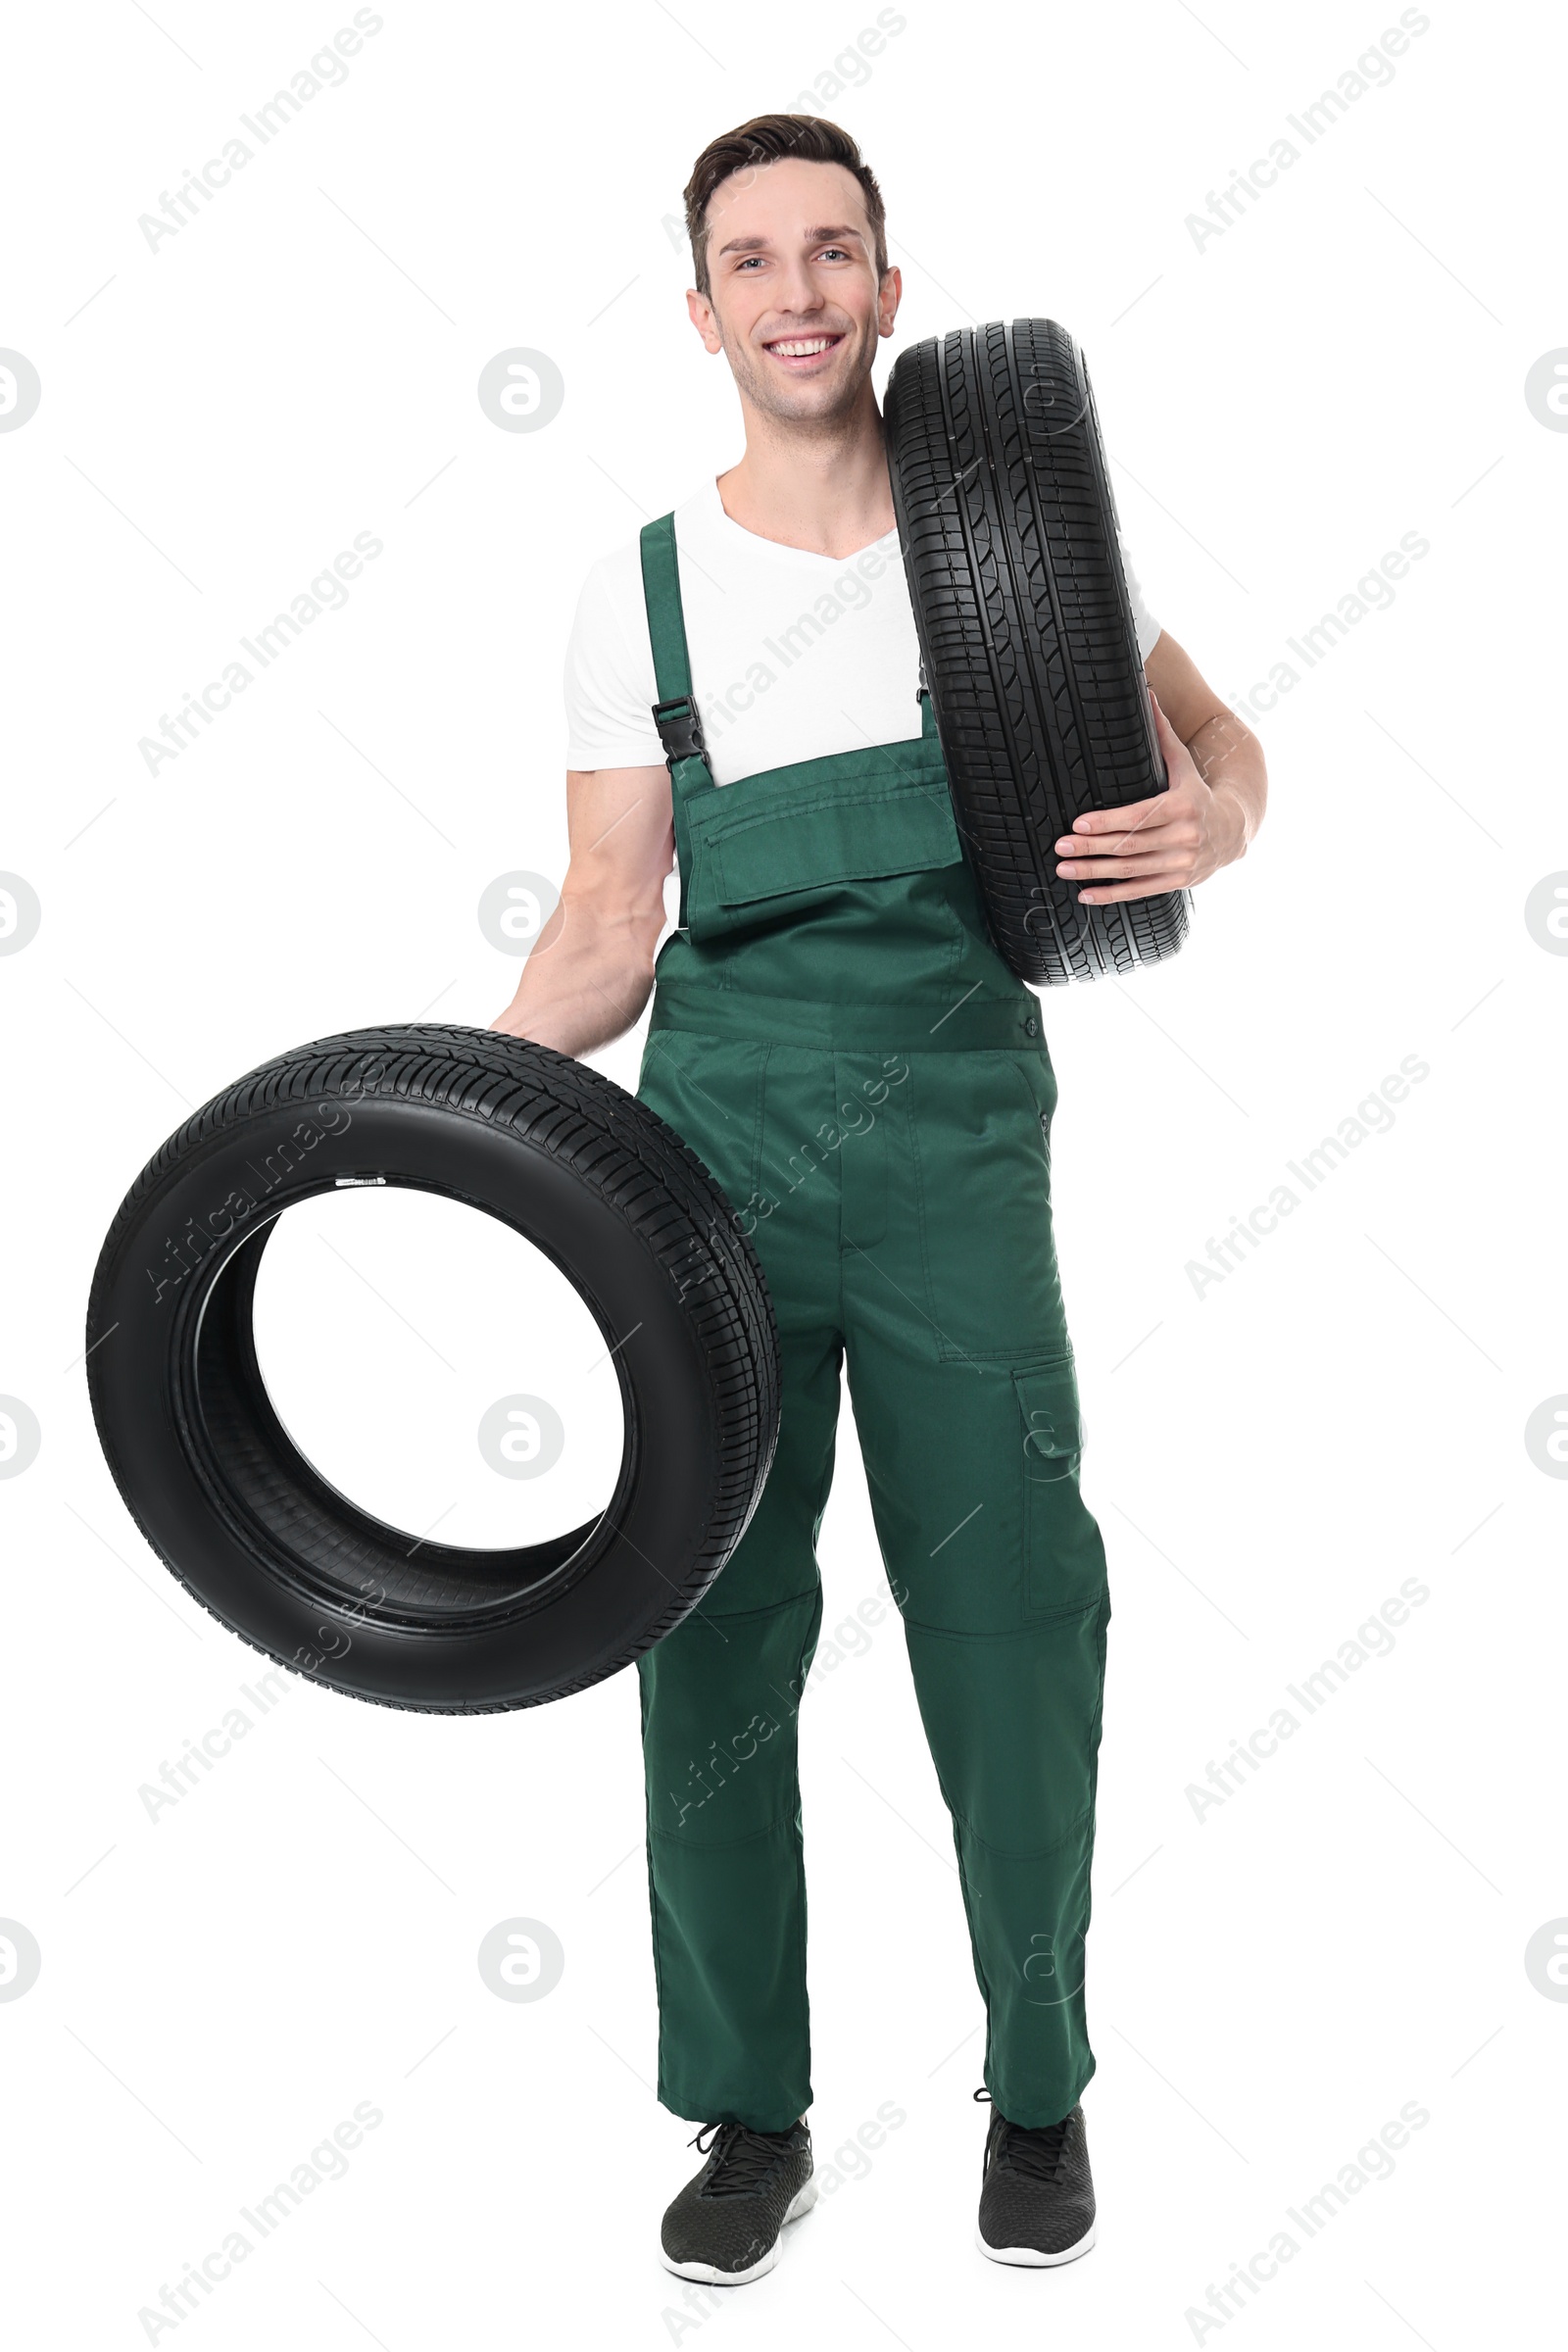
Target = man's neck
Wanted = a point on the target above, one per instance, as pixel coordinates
(825, 490)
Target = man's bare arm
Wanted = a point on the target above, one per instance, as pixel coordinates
(590, 971)
(1218, 788)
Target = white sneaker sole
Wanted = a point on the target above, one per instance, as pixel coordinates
(1031, 2258)
(706, 2273)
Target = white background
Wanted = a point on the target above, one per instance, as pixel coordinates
(1346, 1933)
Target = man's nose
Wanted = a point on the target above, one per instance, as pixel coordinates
(797, 293)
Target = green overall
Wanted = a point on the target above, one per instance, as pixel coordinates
(836, 1037)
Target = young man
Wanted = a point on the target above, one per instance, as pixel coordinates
(836, 1037)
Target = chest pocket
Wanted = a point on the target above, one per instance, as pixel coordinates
(787, 845)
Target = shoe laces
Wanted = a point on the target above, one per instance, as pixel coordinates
(739, 2158)
(1034, 2150)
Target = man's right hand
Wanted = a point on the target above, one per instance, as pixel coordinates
(590, 971)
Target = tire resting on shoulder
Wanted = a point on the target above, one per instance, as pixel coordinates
(595, 1180)
(1008, 525)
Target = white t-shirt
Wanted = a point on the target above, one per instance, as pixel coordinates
(794, 656)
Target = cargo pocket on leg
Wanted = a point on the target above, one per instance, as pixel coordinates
(1063, 1557)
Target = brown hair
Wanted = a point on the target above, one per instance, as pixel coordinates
(765, 139)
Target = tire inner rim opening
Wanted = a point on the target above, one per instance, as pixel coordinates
(436, 1372)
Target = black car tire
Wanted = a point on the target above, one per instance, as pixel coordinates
(1008, 525)
(590, 1176)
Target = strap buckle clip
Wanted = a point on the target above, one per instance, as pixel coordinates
(680, 729)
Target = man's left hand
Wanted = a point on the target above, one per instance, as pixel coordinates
(1180, 837)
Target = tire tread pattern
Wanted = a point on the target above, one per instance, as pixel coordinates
(1008, 525)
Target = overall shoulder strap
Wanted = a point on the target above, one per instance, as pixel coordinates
(675, 715)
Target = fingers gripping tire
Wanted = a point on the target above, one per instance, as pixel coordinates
(593, 1179)
(1009, 529)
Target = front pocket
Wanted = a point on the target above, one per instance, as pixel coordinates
(719, 1114)
(978, 1152)
(842, 837)
(775, 845)
(1064, 1559)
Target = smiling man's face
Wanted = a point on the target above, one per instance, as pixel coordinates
(796, 305)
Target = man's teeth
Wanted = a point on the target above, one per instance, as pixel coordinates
(803, 350)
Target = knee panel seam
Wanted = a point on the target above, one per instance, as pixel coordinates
(769, 1609)
(1011, 1632)
(1031, 1853)
(714, 1846)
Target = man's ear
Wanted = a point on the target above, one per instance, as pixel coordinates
(699, 311)
(889, 294)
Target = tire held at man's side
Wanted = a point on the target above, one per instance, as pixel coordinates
(598, 1183)
(1007, 524)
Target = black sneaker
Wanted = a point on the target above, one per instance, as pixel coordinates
(724, 2226)
(1037, 2204)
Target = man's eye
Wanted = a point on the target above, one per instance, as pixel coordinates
(832, 253)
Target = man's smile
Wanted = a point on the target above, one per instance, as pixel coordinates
(801, 354)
